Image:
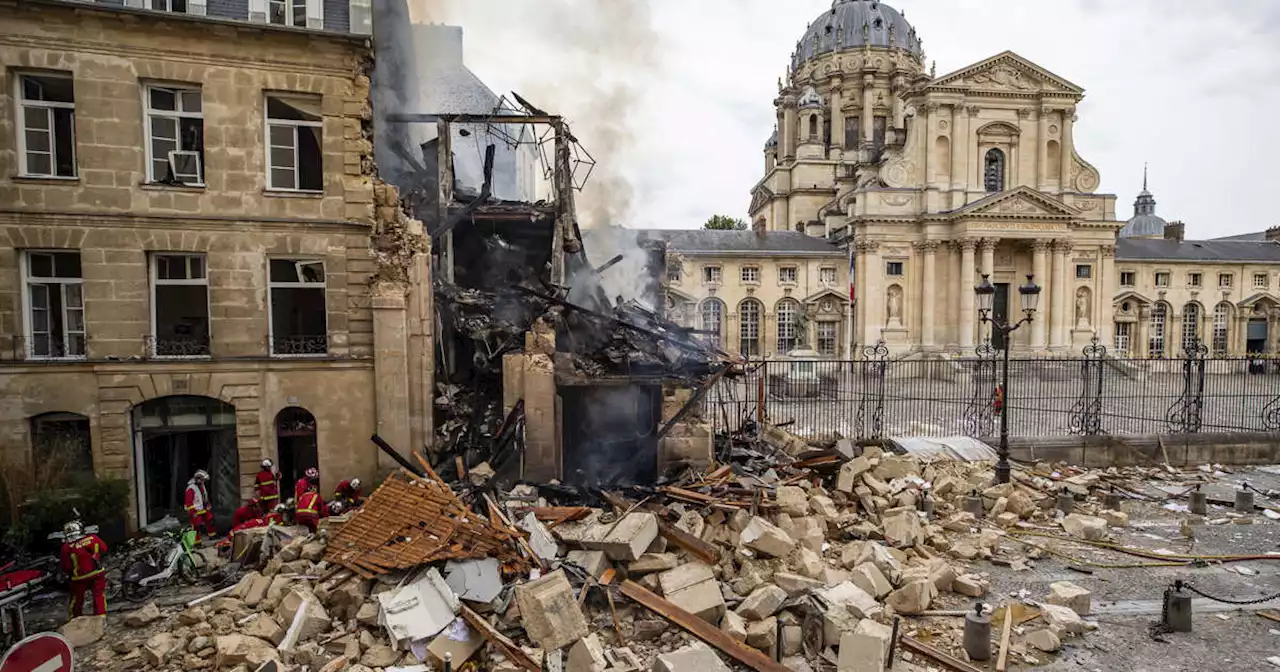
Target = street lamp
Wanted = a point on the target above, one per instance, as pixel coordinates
(1029, 295)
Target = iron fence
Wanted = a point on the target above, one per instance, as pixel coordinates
(1086, 394)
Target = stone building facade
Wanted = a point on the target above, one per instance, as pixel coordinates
(761, 294)
(198, 266)
(933, 181)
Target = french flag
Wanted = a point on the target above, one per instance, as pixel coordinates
(853, 266)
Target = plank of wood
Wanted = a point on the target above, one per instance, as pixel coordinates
(499, 640)
(698, 548)
(1270, 614)
(1002, 662)
(937, 656)
(702, 630)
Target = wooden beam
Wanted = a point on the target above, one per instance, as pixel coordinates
(937, 656)
(702, 630)
(491, 635)
(1002, 663)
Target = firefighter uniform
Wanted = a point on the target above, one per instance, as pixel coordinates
(348, 493)
(247, 512)
(82, 560)
(310, 506)
(267, 484)
(197, 504)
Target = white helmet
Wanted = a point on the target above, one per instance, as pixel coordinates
(335, 508)
(201, 475)
(72, 530)
(312, 473)
(355, 484)
(267, 464)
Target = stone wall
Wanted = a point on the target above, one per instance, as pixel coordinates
(1180, 450)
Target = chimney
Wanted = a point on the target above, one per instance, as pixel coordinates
(815, 228)
(758, 227)
(1272, 235)
(1175, 231)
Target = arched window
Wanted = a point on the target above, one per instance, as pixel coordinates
(1190, 326)
(60, 444)
(813, 127)
(296, 443)
(788, 335)
(749, 328)
(993, 170)
(1159, 314)
(1221, 328)
(712, 314)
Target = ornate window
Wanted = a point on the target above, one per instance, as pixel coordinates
(1123, 336)
(1221, 328)
(1190, 326)
(827, 338)
(788, 333)
(749, 328)
(712, 314)
(993, 170)
(1159, 314)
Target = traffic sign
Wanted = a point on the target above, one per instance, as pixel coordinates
(45, 652)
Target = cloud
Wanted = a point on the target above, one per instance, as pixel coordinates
(678, 94)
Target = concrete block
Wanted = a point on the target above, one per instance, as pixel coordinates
(690, 659)
(793, 501)
(628, 540)
(1067, 594)
(764, 537)
(762, 602)
(549, 611)
(595, 562)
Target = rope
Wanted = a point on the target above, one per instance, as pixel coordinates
(1224, 600)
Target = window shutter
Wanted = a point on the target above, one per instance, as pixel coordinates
(361, 17)
(134, 3)
(197, 7)
(315, 14)
(258, 11)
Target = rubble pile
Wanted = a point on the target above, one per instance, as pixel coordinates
(839, 566)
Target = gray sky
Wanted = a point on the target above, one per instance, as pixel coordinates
(674, 97)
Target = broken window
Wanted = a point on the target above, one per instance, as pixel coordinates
(61, 446)
(673, 271)
(788, 335)
(55, 305)
(298, 312)
(46, 126)
(175, 133)
(291, 12)
(713, 319)
(179, 306)
(827, 338)
(749, 328)
(294, 161)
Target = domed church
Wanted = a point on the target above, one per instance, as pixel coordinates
(932, 181)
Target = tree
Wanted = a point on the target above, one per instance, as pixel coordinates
(725, 223)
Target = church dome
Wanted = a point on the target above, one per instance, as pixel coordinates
(772, 142)
(852, 24)
(1145, 222)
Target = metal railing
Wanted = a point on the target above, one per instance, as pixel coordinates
(1087, 394)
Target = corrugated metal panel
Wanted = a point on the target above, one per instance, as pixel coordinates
(961, 448)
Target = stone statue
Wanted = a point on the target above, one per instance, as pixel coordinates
(895, 304)
(1082, 306)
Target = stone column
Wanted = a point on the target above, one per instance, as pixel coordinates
(390, 367)
(872, 292)
(964, 285)
(1068, 118)
(898, 110)
(1042, 150)
(972, 160)
(1141, 333)
(837, 118)
(541, 455)
(958, 119)
(988, 247)
(1039, 268)
(789, 131)
(928, 298)
(1103, 314)
(868, 113)
(930, 124)
(1060, 297)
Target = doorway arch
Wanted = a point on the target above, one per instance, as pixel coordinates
(297, 446)
(173, 438)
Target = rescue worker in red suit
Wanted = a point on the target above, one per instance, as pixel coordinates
(267, 485)
(275, 517)
(348, 493)
(252, 509)
(198, 505)
(309, 479)
(82, 561)
(310, 508)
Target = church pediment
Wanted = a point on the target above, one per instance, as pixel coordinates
(827, 293)
(1018, 202)
(680, 296)
(1007, 72)
(760, 198)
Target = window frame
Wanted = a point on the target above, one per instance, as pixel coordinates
(294, 124)
(149, 115)
(1122, 342)
(794, 271)
(1266, 281)
(1195, 279)
(828, 270)
(720, 311)
(290, 15)
(1159, 335)
(20, 124)
(1220, 335)
(1087, 269)
(709, 270)
(757, 326)
(889, 269)
(754, 270)
(28, 321)
(1133, 278)
(787, 333)
(1230, 279)
(154, 282)
(272, 285)
(834, 338)
(675, 272)
(1168, 278)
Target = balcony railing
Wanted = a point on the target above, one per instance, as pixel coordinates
(177, 346)
(45, 347)
(298, 346)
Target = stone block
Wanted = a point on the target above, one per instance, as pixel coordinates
(1085, 527)
(83, 630)
(1115, 518)
(808, 563)
(895, 466)
(913, 597)
(871, 580)
(1067, 594)
(762, 602)
(836, 622)
(233, 650)
(1043, 640)
(850, 472)
(854, 599)
(865, 649)
(902, 529)
(822, 505)
(595, 562)
(587, 655)
(1020, 503)
(795, 584)
(703, 599)
(628, 540)
(792, 500)
(264, 627)
(734, 625)
(764, 537)
(379, 656)
(650, 563)
(142, 616)
(969, 585)
(690, 659)
(549, 611)
(315, 621)
(763, 635)
(1062, 619)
